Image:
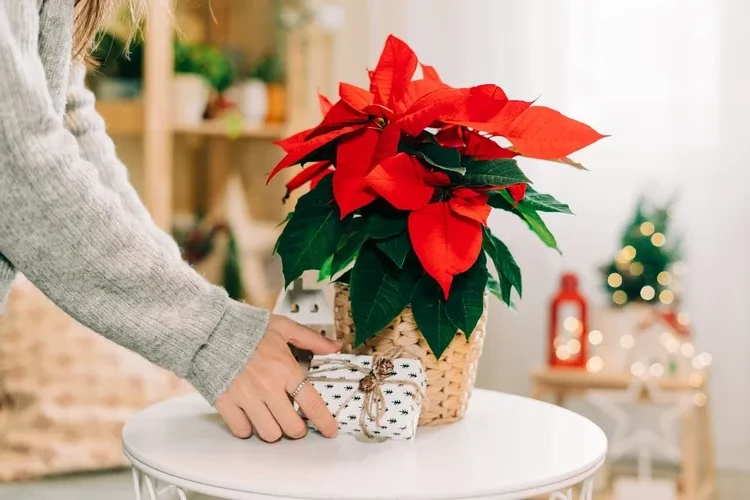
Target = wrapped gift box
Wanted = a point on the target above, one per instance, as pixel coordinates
(351, 385)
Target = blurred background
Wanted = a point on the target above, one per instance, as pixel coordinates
(657, 245)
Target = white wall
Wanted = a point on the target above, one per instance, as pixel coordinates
(668, 80)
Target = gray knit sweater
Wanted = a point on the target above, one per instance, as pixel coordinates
(72, 224)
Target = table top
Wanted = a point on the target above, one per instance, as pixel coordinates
(576, 378)
(506, 447)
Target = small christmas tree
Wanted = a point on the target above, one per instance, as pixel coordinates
(642, 269)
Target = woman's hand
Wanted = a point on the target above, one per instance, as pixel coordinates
(257, 401)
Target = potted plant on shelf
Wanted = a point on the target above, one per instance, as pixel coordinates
(198, 69)
(261, 97)
(270, 70)
(251, 96)
(120, 68)
(404, 176)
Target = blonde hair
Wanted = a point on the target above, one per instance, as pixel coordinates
(91, 14)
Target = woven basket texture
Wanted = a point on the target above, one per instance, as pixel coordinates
(450, 379)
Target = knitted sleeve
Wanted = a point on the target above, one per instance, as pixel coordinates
(74, 238)
(95, 146)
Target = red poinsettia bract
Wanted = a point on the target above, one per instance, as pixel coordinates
(359, 137)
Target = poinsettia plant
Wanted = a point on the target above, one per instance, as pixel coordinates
(403, 177)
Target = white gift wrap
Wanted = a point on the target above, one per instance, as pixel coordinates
(345, 400)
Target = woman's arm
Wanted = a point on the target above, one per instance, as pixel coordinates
(96, 147)
(75, 240)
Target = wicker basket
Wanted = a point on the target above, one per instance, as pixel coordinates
(449, 380)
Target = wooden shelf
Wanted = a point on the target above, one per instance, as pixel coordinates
(220, 128)
(122, 117)
(126, 117)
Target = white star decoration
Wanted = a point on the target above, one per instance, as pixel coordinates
(644, 442)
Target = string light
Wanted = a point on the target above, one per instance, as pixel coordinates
(706, 359)
(637, 369)
(614, 280)
(648, 292)
(683, 318)
(629, 252)
(658, 239)
(571, 324)
(574, 346)
(700, 399)
(557, 342)
(666, 297)
(627, 341)
(687, 349)
(656, 370)
(595, 364)
(664, 278)
(696, 380)
(619, 297)
(636, 269)
(562, 353)
(647, 228)
(595, 337)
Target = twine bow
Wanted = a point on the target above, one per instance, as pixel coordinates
(371, 385)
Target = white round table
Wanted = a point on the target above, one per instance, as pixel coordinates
(507, 447)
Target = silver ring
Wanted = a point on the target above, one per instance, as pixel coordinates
(298, 389)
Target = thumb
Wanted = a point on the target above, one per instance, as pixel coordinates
(310, 340)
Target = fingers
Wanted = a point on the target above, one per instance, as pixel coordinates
(305, 338)
(316, 410)
(264, 424)
(235, 419)
(283, 411)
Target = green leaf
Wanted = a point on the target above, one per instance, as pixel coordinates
(494, 287)
(325, 272)
(502, 290)
(349, 245)
(429, 309)
(498, 172)
(502, 200)
(396, 248)
(361, 229)
(506, 290)
(380, 226)
(466, 301)
(286, 219)
(312, 233)
(379, 291)
(537, 225)
(440, 157)
(543, 202)
(507, 268)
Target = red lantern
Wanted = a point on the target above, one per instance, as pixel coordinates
(568, 325)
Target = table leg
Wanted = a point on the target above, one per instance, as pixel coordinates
(587, 491)
(560, 398)
(140, 479)
(709, 471)
(689, 456)
(537, 391)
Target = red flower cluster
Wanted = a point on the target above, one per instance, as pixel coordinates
(358, 142)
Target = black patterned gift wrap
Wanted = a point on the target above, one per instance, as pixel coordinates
(371, 397)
